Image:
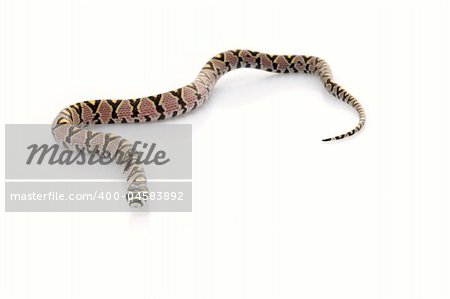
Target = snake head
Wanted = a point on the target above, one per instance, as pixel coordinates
(137, 194)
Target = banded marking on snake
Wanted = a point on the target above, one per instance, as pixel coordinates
(68, 126)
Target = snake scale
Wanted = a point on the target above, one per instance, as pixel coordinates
(68, 127)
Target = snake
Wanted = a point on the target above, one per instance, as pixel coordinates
(69, 126)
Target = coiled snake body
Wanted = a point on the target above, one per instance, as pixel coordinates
(68, 126)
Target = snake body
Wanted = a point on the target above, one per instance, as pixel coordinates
(68, 127)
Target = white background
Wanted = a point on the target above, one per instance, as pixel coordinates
(276, 212)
